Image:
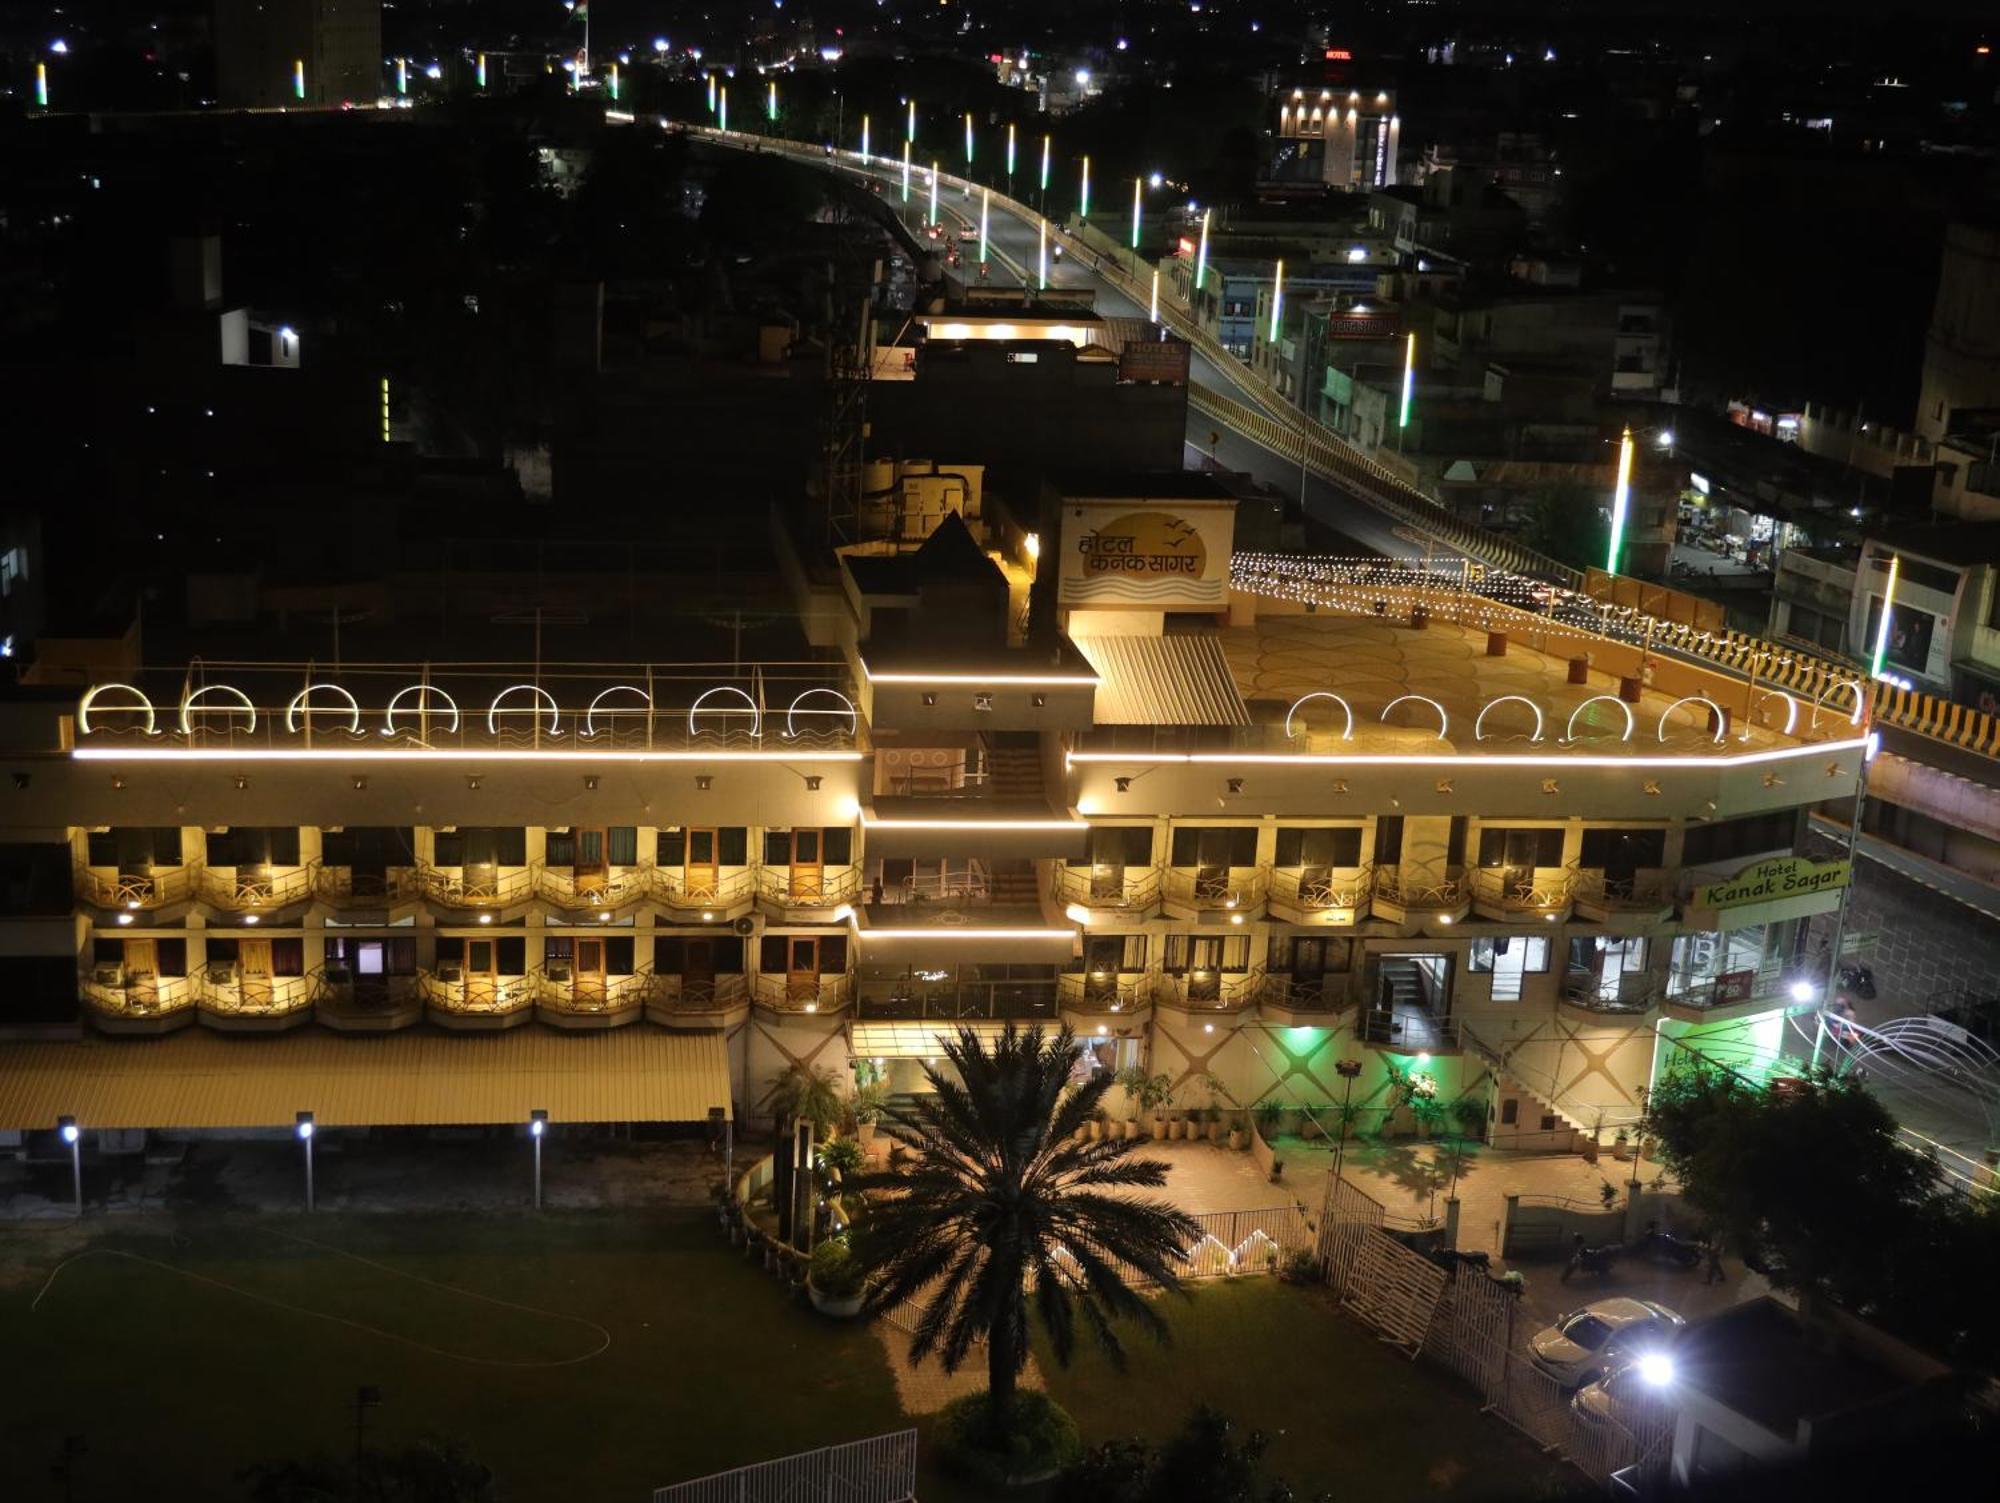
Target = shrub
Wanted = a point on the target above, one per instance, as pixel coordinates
(836, 1272)
(1300, 1267)
(1039, 1439)
(843, 1154)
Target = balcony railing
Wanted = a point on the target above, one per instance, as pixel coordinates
(452, 991)
(135, 892)
(1222, 991)
(971, 884)
(1124, 889)
(561, 887)
(1239, 888)
(1584, 989)
(1104, 991)
(675, 993)
(1520, 892)
(477, 886)
(108, 991)
(1315, 890)
(226, 990)
(1767, 980)
(342, 991)
(828, 993)
(343, 886)
(790, 889)
(1316, 994)
(967, 1001)
(558, 989)
(1407, 1029)
(673, 886)
(1600, 895)
(1400, 892)
(249, 889)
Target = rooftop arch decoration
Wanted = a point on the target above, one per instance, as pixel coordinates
(590, 714)
(302, 705)
(544, 701)
(1693, 699)
(1791, 708)
(1478, 726)
(1347, 733)
(1853, 686)
(1631, 720)
(143, 707)
(847, 709)
(1444, 720)
(749, 707)
(423, 692)
(192, 704)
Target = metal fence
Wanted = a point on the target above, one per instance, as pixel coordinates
(881, 1469)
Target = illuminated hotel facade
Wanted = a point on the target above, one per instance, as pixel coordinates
(1233, 819)
(1345, 138)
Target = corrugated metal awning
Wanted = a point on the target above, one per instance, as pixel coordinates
(198, 1079)
(1172, 680)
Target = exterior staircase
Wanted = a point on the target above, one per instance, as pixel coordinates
(1014, 882)
(1404, 984)
(1583, 1119)
(1014, 771)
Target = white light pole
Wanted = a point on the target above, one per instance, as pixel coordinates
(1042, 255)
(538, 1126)
(73, 1135)
(303, 1126)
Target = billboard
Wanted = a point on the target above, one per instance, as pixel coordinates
(1767, 881)
(1154, 360)
(1155, 555)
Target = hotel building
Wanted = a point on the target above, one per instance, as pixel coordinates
(1232, 817)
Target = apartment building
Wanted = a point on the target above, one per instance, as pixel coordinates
(1083, 763)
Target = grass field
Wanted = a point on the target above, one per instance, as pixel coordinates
(250, 1344)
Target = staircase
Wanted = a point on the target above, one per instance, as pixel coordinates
(1014, 771)
(1405, 985)
(1014, 882)
(1584, 1119)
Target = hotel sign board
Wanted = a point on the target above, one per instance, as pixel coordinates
(1771, 881)
(1149, 555)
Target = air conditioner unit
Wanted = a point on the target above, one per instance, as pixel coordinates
(333, 829)
(98, 829)
(450, 972)
(218, 829)
(447, 829)
(556, 970)
(222, 972)
(109, 975)
(745, 925)
(559, 829)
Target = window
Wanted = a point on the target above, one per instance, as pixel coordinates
(776, 952)
(37, 988)
(1114, 952)
(288, 956)
(1507, 958)
(1548, 1122)
(1215, 845)
(482, 846)
(1119, 845)
(1728, 840)
(560, 848)
(1206, 952)
(132, 848)
(34, 879)
(1319, 847)
(372, 847)
(1510, 1112)
(1520, 847)
(1623, 850)
(729, 846)
(255, 845)
(1389, 839)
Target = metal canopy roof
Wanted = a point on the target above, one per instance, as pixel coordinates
(198, 1079)
(1172, 680)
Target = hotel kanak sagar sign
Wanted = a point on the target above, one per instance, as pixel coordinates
(1772, 881)
(1156, 556)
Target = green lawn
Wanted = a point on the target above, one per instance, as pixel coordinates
(176, 1383)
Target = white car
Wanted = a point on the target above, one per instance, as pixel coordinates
(1584, 1344)
(1616, 1397)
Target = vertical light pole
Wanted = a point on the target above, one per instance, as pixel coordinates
(1083, 213)
(73, 1136)
(402, 75)
(538, 1126)
(1010, 159)
(906, 170)
(1348, 1069)
(864, 140)
(480, 74)
(41, 86)
(1201, 257)
(1045, 174)
(985, 207)
(1277, 301)
(1042, 255)
(1153, 306)
(934, 190)
(722, 108)
(298, 78)
(771, 102)
(1621, 501)
(302, 1124)
(1138, 194)
(1409, 386)
(910, 124)
(611, 82)
(1881, 653)
(968, 143)
(711, 93)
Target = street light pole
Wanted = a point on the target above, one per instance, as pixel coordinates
(538, 1125)
(73, 1136)
(303, 1126)
(1348, 1069)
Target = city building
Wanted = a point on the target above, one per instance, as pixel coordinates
(274, 54)
(1081, 758)
(1347, 139)
(1962, 346)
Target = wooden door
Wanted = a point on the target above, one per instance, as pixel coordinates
(482, 984)
(701, 873)
(1204, 980)
(253, 972)
(808, 868)
(589, 969)
(802, 966)
(590, 870)
(142, 971)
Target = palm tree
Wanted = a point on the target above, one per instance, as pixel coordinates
(1005, 1204)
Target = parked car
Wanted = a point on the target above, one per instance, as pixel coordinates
(1585, 1344)
(1615, 1398)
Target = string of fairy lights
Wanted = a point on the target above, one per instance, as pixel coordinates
(1472, 595)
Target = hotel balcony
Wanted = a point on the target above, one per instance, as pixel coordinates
(1192, 891)
(137, 892)
(803, 993)
(121, 1003)
(792, 896)
(1404, 895)
(349, 887)
(705, 893)
(1104, 991)
(1635, 897)
(352, 1003)
(1408, 1030)
(1631, 994)
(679, 1001)
(565, 998)
(695, 1000)
(1328, 895)
(252, 889)
(454, 998)
(964, 993)
(1514, 893)
(1730, 994)
(1210, 990)
(231, 1000)
(485, 887)
(1111, 891)
(1323, 994)
(600, 892)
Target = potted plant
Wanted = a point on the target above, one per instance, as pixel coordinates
(1158, 1096)
(1216, 1129)
(1470, 1113)
(1621, 1146)
(1269, 1115)
(1097, 1124)
(870, 1101)
(841, 1157)
(835, 1281)
(1309, 1126)
(1239, 1136)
